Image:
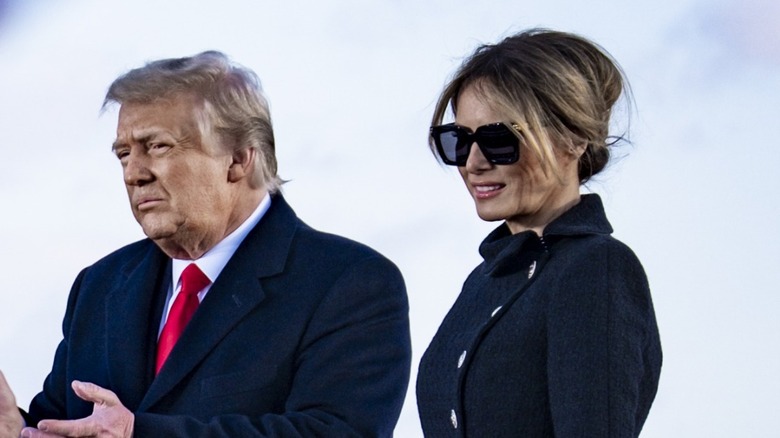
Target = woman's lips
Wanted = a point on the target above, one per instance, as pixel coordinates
(486, 191)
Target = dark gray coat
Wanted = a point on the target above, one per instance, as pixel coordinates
(550, 337)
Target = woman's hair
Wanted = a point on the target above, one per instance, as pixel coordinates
(559, 88)
(233, 101)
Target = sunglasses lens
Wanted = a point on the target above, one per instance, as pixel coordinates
(452, 144)
(499, 144)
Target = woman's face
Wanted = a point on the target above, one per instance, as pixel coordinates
(519, 193)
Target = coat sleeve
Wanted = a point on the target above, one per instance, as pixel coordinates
(351, 374)
(51, 401)
(604, 353)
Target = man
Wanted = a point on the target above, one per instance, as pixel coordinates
(294, 332)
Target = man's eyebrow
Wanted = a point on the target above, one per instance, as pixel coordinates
(143, 139)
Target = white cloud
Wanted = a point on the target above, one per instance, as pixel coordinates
(745, 30)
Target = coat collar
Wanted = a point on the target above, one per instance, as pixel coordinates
(587, 217)
(501, 248)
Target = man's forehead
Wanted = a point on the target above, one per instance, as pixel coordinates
(158, 112)
(140, 125)
(140, 122)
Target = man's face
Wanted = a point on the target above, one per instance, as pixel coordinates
(176, 174)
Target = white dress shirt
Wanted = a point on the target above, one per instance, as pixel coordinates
(214, 260)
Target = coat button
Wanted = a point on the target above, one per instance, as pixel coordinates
(495, 311)
(453, 419)
(461, 358)
(532, 269)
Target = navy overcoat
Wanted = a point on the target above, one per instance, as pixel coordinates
(302, 334)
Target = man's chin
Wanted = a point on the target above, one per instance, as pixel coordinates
(157, 232)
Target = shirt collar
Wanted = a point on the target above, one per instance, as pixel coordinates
(215, 259)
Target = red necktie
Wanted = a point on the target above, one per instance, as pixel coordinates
(193, 280)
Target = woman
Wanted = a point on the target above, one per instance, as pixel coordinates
(553, 334)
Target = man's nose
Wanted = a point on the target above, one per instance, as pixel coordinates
(136, 170)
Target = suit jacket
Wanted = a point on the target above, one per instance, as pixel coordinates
(302, 334)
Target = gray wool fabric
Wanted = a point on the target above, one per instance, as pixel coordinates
(550, 337)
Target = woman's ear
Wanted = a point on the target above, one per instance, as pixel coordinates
(242, 164)
(572, 149)
(577, 148)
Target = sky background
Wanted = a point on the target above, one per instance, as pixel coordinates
(352, 86)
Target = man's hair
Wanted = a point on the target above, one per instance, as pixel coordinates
(559, 88)
(233, 102)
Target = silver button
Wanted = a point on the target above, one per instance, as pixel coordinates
(461, 358)
(495, 311)
(453, 419)
(532, 269)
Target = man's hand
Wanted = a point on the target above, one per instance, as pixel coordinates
(11, 421)
(109, 417)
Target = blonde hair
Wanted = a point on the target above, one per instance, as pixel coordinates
(558, 88)
(233, 102)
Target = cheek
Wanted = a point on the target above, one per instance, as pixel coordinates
(463, 173)
(188, 181)
(518, 175)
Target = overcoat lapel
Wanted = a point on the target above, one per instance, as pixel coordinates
(236, 292)
(129, 306)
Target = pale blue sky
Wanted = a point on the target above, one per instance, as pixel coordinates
(351, 86)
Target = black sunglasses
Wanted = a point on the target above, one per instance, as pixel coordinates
(498, 142)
